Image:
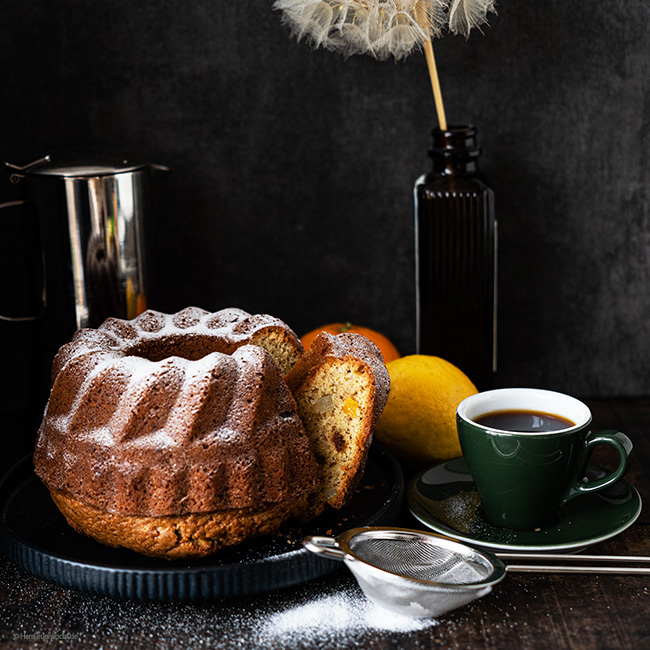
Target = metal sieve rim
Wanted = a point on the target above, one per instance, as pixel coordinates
(497, 573)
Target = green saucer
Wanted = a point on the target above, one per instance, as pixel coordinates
(445, 499)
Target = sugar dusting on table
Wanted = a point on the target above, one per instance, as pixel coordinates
(343, 612)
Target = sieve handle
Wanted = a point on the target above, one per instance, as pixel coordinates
(326, 546)
(571, 563)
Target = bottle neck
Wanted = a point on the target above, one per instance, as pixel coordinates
(455, 151)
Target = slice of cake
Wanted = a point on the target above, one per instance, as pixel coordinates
(341, 386)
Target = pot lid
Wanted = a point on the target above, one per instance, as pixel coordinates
(87, 165)
(82, 165)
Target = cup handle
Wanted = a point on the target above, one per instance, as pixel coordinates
(615, 439)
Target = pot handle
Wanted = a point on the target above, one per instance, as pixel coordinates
(11, 204)
(17, 173)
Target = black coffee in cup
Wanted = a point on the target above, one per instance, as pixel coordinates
(527, 450)
(523, 421)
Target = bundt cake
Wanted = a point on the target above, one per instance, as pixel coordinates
(176, 435)
(341, 386)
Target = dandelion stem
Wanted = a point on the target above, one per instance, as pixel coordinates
(435, 85)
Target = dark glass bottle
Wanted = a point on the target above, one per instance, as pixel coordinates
(456, 258)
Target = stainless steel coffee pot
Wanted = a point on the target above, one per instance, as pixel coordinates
(94, 214)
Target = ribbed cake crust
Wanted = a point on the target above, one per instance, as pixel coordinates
(176, 415)
(341, 386)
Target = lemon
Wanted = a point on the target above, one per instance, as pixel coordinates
(418, 423)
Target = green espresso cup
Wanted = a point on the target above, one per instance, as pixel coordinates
(527, 450)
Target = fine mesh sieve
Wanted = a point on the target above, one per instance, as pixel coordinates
(411, 572)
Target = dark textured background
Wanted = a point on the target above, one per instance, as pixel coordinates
(292, 169)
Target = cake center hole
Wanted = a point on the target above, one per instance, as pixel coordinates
(192, 347)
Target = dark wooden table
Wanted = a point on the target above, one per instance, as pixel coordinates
(523, 611)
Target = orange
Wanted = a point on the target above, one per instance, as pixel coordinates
(388, 350)
(418, 423)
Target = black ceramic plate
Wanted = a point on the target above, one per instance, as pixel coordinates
(35, 536)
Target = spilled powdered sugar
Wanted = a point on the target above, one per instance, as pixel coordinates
(340, 614)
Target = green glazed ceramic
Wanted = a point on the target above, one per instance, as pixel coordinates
(445, 500)
(524, 478)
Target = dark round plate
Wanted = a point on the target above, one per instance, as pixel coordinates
(35, 536)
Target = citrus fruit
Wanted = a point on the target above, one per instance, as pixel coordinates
(388, 350)
(418, 423)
